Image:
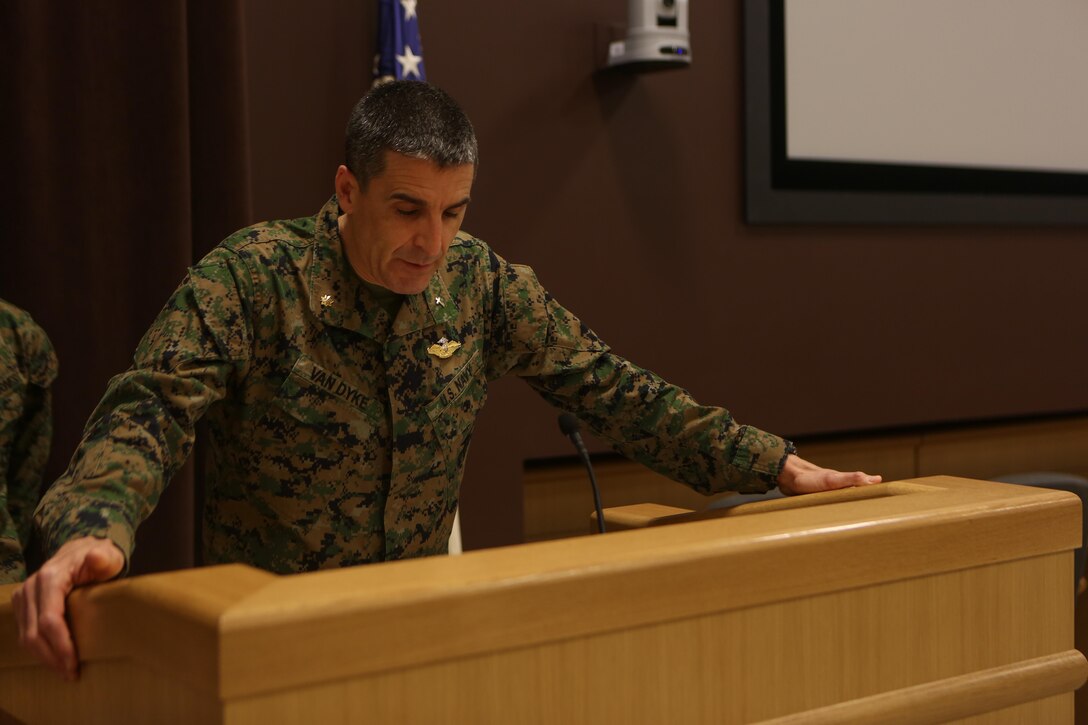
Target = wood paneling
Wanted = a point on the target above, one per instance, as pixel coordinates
(558, 501)
(993, 451)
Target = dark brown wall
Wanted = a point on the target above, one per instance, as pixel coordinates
(625, 193)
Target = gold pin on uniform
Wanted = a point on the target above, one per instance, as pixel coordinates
(443, 348)
(326, 300)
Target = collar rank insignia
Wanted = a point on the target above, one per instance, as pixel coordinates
(443, 348)
(326, 300)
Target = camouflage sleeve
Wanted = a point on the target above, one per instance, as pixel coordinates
(643, 417)
(143, 429)
(12, 565)
(28, 367)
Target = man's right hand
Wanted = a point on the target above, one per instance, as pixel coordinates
(39, 603)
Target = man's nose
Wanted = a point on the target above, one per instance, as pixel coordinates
(429, 238)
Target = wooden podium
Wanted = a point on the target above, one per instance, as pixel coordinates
(918, 601)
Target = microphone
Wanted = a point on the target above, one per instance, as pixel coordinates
(570, 426)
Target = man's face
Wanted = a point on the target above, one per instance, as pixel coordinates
(397, 230)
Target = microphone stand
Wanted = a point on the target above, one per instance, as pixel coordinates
(570, 426)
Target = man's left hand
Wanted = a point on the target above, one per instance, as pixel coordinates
(799, 476)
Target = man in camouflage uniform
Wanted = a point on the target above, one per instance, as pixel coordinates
(27, 369)
(340, 362)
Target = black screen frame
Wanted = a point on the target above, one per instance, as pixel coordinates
(780, 190)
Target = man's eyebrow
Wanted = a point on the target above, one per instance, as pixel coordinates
(401, 196)
(409, 199)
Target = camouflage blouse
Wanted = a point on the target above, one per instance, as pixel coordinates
(28, 367)
(338, 436)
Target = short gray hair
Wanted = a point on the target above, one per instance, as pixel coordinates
(412, 118)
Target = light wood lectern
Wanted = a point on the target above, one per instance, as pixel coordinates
(916, 602)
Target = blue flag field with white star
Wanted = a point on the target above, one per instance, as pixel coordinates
(400, 53)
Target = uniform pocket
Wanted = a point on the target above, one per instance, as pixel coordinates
(317, 462)
(453, 412)
(327, 413)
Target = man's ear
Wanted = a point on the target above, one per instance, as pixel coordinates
(347, 189)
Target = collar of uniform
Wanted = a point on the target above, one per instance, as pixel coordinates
(423, 310)
(337, 295)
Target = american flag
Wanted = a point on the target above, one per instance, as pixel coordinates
(400, 54)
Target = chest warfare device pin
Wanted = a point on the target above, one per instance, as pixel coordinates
(443, 348)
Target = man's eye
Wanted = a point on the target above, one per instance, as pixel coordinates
(407, 212)
(454, 213)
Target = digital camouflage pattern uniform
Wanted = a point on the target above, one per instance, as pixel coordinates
(28, 367)
(338, 435)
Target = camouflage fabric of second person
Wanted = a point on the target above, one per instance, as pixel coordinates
(28, 367)
(338, 433)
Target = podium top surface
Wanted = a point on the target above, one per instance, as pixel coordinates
(234, 630)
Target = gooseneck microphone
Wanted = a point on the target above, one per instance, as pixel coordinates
(570, 426)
